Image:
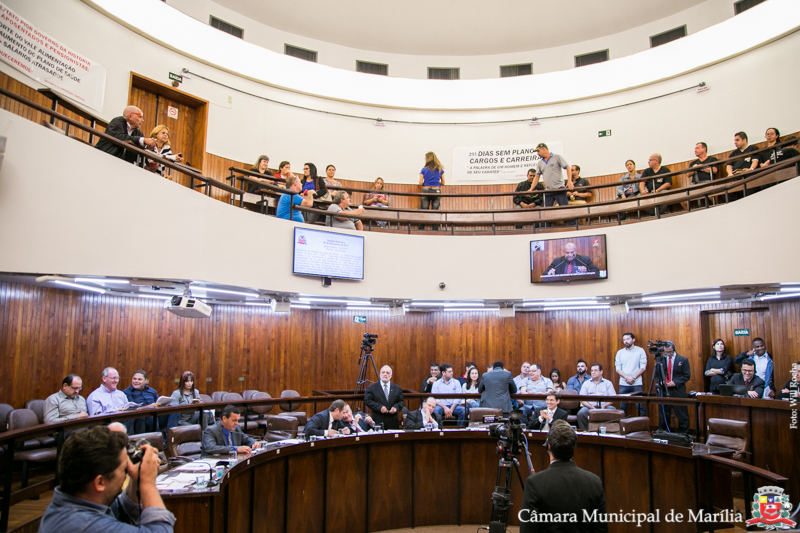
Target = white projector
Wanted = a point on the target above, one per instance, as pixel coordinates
(187, 307)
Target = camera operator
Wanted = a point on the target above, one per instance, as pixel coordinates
(563, 489)
(92, 468)
(675, 369)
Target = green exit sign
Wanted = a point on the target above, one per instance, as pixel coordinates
(741, 332)
(175, 77)
(360, 319)
(604, 133)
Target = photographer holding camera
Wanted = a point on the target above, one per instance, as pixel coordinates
(92, 469)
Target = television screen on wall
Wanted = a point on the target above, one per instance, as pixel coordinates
(570, 259)
(327, 254)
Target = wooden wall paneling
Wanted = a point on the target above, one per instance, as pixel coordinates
(771, 437)
(346, 494)
(269, 497)
(674, 487)
(626, 485)
(305, 495)
(478, 465)
(389, 504)
(239, 510)
(12, 106)
(783, 340)
(192, 515)
(436, 483)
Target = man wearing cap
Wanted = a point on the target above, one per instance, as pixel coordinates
(549, 167)
(496, 388)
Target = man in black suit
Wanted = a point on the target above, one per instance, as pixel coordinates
(126, 128)
(385, 399)
(571, 262)
(355, 424)
(676, 372)
(496, 388)
(226, 435)
(425, 416)
(427, 383)
(755, 385)
(326, 423)
(547, 417)
(563, 490)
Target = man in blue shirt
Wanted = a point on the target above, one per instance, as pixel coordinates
(450, 407)
(287, 200)
(92, 469)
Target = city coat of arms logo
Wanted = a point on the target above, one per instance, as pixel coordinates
(771, 509)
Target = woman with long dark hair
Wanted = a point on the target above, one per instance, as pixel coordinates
(558, 383)
(470, 386)
(315, 186)
(186, 394)
(719, 366)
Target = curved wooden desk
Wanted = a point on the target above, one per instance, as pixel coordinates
(399, 480)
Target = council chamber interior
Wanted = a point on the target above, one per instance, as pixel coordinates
(101, 257)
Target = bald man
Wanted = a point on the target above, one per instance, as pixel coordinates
(385, 399)
(571, 262)
(126, 128)
(657, 184)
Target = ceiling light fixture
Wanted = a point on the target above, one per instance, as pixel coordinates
(102, 281)
(675, 296)
(773, 296)
(224, 291)
(577, 307)
(447, 304)
(79, 286)
(561, 303)
(675, 304)
(333, 301)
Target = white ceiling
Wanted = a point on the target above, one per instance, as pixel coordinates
(456, 27)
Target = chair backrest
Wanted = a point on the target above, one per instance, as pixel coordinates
(22, 418)
(216, 396)
(726, 433)
(231, 397)
(206, 398)
(608, 418)
(184, 440)
(155, 439)
(569, 404)
(261, 409)
(281, 427)
(37, 406)
(248, 394)
(4, 410)
(636, 424)
(476, 414)
(289, 406)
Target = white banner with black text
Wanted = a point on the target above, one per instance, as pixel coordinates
(498, 163)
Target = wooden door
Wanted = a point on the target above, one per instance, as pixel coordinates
(721, 325)
(187, 131)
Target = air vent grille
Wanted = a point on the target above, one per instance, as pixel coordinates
(668, 36)
(509, 71)
(443, 73)
(590, 59)
(227, 27)
(300, 53)
(372, 68)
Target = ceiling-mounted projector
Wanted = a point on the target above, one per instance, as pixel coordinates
(187, 307)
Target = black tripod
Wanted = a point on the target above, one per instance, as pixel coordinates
(364, 359)
(501, 497)
(661, 390)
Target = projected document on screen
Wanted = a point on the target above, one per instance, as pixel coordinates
(328, 254)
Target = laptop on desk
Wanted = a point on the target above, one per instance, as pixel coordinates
(731, 390)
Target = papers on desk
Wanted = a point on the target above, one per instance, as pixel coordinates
(199, 465)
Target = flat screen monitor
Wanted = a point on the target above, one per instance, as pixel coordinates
(328, 254)
(571, 259)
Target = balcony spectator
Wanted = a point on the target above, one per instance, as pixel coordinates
(126, 128)
(532, 200)
(287, 200)
(631, 189)
(314, 184)
(379, 198)
(161, 135)
(657, 184)
(744, 164)
(705, 174)
(341, 202)
(330, 181)
(778, 155)
(431, 179)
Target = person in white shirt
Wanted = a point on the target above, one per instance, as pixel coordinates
(630, 363)
(597, 386)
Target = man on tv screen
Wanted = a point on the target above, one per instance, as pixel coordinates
(571, 263)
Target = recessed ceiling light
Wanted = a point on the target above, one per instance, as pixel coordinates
(676, 296)
(675, 304)
(102, 281)
(79, 286)
(224, 291)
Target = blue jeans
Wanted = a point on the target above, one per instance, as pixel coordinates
(627, 389)
(458, 411)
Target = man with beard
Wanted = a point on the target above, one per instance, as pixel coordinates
(630, 363)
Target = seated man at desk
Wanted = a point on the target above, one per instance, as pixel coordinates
(571, 262)
(355, 424)
(425, 417)
(753, 383)
(327, 423)
(226, 436)
(550, 414)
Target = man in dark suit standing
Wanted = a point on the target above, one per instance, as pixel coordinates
(326, 423)
(496, 388)
(425, 416)
(547, 417)
(126, 128)
(564, 490)
(385, 399)
(226, 435)
(754, 384)
(571, 262)
(675, 369)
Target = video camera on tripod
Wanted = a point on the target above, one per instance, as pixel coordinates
(656, 347)
(508, 432)
(369, 341)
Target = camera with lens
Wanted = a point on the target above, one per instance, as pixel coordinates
(135, 450)
(369, 341)
(656, 347)
(508, 432)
